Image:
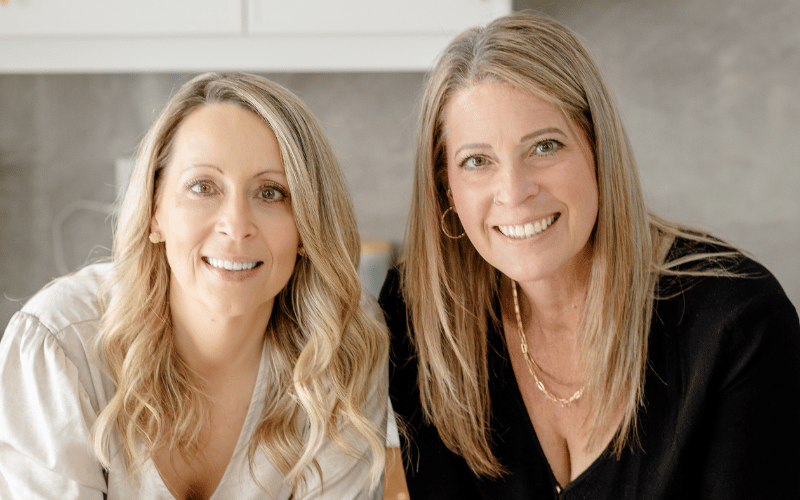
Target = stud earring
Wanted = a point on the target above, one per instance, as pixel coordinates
(155, 238)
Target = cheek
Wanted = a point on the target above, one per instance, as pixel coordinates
(453, 182)
(588, 196)
(285, 251)
(184, 231)
(281, 233)
(470, 201)
(184, 225)
(466, 212)
(458, 190)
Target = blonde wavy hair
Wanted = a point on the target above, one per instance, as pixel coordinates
(450, 288)
(325, 350)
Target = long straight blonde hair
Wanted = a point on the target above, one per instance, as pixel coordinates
(450, 288)
(326, 352)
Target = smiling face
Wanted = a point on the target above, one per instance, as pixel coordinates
(523, 181)
(223, 210)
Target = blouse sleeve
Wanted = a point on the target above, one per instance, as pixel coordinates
(755, 415)
(45, 419)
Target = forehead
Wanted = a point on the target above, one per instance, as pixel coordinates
(220, 131)
(499, 101)
(221, 120)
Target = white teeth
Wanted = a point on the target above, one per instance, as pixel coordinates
(531, 229)
(231, 266)
(528, 229)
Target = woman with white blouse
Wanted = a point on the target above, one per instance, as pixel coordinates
(225, 352)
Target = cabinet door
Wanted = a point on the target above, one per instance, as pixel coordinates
(355, 17)
(119, 17)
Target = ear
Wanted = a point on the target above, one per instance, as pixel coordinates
(450, 199)
(155, 229)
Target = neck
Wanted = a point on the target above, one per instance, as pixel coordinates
(554, 306)
(218, 347)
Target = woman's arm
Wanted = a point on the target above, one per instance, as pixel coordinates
(46, 415)
(754, 421)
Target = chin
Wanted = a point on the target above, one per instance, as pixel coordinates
(231, 309)
(527, 273)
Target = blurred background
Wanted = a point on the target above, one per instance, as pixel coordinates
(708, 90)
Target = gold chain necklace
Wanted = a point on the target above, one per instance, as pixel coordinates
(523, 344)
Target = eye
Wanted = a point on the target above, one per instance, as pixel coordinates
(475, 161)
(272, 193)
(547, 147)
(202, 187)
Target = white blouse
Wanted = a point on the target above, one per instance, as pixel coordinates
(52, 390)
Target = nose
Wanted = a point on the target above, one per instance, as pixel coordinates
(514, 183)
(235, 218)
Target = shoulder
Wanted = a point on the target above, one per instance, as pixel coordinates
(70, 300)
(394, 309)
(66, 313)
(733, 317)
(391, 285)
(47, 345)
(369, 304)
(391, 298)
(714, 275)
(727, 310)
(403, 364)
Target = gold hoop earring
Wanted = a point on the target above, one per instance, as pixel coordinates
(444, 230)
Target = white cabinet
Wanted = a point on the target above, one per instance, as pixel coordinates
(48, 18)
(369, 16)
(80, 36)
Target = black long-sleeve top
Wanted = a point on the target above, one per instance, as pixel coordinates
(721, 418)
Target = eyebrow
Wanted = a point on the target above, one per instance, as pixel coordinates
(214, 167)
(265, 172)
(548, 130)
(527, 137)
(474, 145)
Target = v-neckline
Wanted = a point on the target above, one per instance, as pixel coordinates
(509, 380)
(254, 410)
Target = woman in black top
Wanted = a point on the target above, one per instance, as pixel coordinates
(552, 337)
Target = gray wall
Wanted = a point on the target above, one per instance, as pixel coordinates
(707, 89)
